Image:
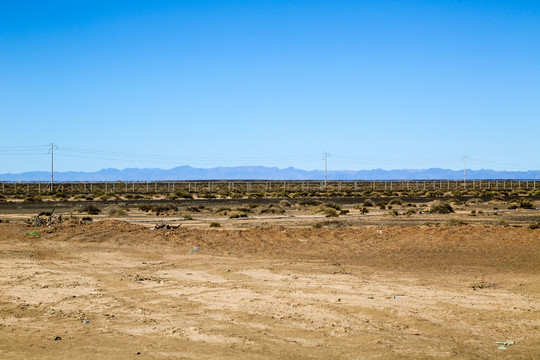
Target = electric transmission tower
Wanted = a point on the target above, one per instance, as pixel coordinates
(325, 167)
(52, 147)
(465, 171)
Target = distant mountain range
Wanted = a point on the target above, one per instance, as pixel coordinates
(266, 173)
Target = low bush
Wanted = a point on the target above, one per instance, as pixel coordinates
(309, 202)
(180, 195)
(329, 212)
(144, 207)
(525, 204)
(396, 202)
(223, 210)
(409, 212)
(284, 203)
(454, 222)
(117, 212)
(333, 206)
(159, 209)
(272, 210)
(32, 198)
(368, 202)
(90, 210)
(441, 208)
(215, 224)
(197, 208)
(238, 215)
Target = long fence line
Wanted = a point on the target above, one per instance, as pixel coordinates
(258, 186)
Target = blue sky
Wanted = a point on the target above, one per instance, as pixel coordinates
(377, 84)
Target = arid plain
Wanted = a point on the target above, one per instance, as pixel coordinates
(333, 279)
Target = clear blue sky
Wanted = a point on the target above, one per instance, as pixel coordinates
(377, 84)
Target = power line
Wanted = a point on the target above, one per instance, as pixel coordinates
(123, 155)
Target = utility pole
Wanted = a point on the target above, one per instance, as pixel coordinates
(465, 171)
(51, 150)
(325, 168)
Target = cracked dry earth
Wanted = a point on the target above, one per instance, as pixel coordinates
(116, 290)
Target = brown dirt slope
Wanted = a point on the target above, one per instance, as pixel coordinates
(112, 289)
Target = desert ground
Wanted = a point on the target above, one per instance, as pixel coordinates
(288, 280)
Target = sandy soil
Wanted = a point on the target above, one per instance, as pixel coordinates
(116, 290)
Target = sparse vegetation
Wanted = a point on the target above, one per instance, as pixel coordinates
(158, 209)
(272, 210)
(309, 202)
(454, 222)
(284, 203)
(117, 212)
(441, 208)
(31, 198)
(180, 195)
(90, 210)
(369, 203)
(525, 204)
(409, 212)
(329, 212)
(534, 225)
(223, 210)
(333, 206)
(238, 215)
(197, 208)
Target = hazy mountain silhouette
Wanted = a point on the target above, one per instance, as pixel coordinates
(266, 173)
